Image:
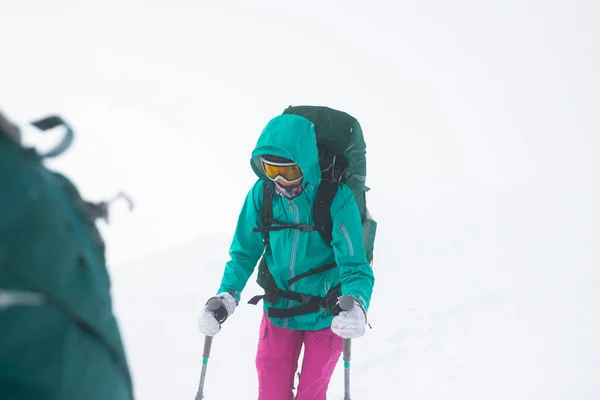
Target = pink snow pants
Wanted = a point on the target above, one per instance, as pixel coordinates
(277, 361)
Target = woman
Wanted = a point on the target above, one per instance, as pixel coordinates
(286, 159)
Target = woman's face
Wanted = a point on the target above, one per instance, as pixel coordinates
(285, 184)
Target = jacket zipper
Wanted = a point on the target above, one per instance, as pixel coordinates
(348, 241)
(294, 209)
(295, 242)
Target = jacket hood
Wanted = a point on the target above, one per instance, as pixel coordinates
(293, 137)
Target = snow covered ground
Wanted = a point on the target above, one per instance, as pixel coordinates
(531, 341)
(482, 292)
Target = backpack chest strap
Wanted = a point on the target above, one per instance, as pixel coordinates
(272, 228)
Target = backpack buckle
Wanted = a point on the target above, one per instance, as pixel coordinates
(271, 297)
(330, 302)
(306, 299)
(306, 228)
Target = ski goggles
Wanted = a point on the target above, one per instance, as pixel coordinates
(290, 172)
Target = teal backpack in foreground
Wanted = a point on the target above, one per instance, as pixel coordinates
(59, 339)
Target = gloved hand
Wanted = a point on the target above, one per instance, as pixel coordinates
(352, 318)
(215, 312)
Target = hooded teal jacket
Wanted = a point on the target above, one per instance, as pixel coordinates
(292, 252)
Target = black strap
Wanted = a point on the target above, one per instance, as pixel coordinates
(314, 304)
(333, 169)
(272, 295)
(256, 299)
(300, 227)
(267, 213)
(309, 304)
(312, 272)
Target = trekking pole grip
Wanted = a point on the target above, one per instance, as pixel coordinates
(346, 303)
(214, 304)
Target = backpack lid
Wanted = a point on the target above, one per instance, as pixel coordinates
(338, 133)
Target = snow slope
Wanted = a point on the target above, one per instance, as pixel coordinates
(528, 341)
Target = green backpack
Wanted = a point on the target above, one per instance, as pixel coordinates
(342, 158)
(59, 337)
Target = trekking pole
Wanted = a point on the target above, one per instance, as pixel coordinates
(213, 305)
(346, 303)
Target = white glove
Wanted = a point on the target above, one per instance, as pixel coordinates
(350, 324)
(211, 319)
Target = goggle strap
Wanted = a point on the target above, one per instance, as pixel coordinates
(278, 164)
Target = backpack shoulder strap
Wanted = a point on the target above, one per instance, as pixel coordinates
(267, 211)
(267, 207)
(322, 209)
(332, 171)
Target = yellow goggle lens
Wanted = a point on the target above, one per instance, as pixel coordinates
(288, 172)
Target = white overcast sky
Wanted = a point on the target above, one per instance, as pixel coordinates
(485, 110)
